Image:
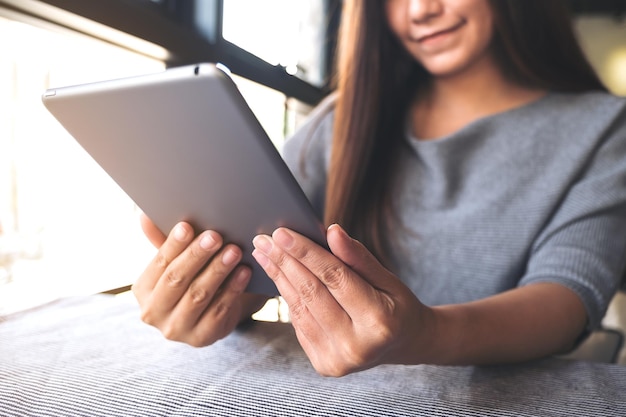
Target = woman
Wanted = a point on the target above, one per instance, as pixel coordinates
(474, 160)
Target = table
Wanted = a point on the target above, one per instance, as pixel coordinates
(92, 356)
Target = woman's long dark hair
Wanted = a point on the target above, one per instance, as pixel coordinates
(536, 44)
(376, 80)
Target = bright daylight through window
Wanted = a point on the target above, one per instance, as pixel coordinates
(281, 32)
(65, 226)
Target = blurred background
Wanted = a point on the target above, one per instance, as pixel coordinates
(65, 227)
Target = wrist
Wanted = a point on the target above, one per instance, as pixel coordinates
(434, 343)
(449, 325)
(437, 338)
(421, 342)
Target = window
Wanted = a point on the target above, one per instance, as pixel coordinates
(279, 115)
(282, 32)
(604, 40)
(66, 227)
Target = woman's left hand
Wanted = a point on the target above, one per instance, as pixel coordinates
(349, 312)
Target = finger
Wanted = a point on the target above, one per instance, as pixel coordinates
(154, 235)
(202, 289)
(179, 238)
(180, 272)
(351, 291)
(301, 318)
(307, 297)
(224, 311)
(357, 257)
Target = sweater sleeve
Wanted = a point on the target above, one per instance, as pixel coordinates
(583, 247)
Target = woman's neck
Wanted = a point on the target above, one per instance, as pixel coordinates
(451, 102)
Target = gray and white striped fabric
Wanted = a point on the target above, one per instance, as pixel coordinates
(91, 356)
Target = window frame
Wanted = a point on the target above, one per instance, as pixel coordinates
(171, 26)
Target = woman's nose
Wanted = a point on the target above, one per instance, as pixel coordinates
(423, 10)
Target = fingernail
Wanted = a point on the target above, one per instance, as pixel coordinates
(339, 229)
(180, 232)
(262, 243)
(230, 257)
(241, 279)
(208, 241)
(283, 238)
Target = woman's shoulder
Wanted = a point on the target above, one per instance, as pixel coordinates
(307, 151)
(588, 103)
(324, 109)
(318, 123)
(580, 115)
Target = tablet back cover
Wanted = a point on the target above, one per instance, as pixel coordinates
(184, 145)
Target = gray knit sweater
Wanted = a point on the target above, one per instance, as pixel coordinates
(534, 194)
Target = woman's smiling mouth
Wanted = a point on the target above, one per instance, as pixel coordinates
(434, 35)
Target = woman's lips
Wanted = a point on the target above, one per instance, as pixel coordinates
(432, 35)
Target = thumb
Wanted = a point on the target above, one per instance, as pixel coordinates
(354, 254)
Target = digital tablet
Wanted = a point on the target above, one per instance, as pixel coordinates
(184, 145)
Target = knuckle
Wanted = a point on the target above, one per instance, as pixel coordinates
(207, 335)
(201, 341)
(160, 260)
(201, 337)
(340, 371)
(333, 369)
(198, 295)
(334, 276)
(356, 359)
(221, 309)
(385, 335)
(146, 316)
(382, 325)
(170, 332)
(355, 355)
(308, 291)
(173, 278)
(297, 310)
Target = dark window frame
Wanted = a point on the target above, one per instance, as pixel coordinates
(171, 25)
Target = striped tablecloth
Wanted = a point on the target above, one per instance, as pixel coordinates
(91, 356)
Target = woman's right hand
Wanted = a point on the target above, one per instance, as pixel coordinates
(192, 290)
